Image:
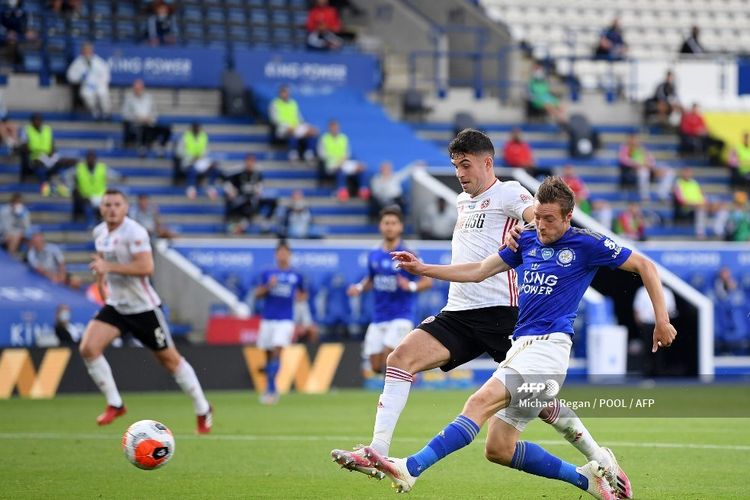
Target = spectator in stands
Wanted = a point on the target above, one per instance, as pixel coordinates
(91, 73)
(15, 221)
(541, 97)
(631, 223)
(739, 162)
(323, 14)
(66, 6)
(689, 202)
(8, 130)
(691, 45)
(517, 154)
(140, 120)
(161, 26)
(16, 29)
(611, 44)
(645, 320)
(244, 197)
(437, 221)
(576, 184)
(736, 223)
(296, 219)
(47, 259)
(601, 210)
(666, 100)
(730, 311)
(322, 39)
(192, 159)
(386, 189)
(638, 167)
(91, 176)
(695, 138)
(63, 327)
(37, 152)
(289, 125)
(146, 213)
(334, 155)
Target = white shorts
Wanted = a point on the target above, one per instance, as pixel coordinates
(533, 371)
(385, 334)
(275, 333)
(299, 131)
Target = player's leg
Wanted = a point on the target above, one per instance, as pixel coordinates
(372, 346)
(274, 336)
(100, 332)
(571, 428)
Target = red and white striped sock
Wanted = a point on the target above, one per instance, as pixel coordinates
(569, 425)
(390, 405)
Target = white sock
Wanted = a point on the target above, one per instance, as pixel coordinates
(569, 425)
(390, 405)
(101, 373)
(185, 377)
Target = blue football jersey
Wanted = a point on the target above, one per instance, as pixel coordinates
(553, 278)
(279, 302)
(391, 302)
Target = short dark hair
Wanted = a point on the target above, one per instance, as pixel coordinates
(115, 191)
(282, 243)
(392, 210)
(470, 141)
(16, 197)
(554, 190)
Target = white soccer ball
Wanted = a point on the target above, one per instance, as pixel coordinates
(148, 444)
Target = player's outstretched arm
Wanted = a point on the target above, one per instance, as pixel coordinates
(664, 332)
(459, 273)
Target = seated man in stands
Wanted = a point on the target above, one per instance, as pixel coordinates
(193, 161)
(611, 43)
(541, 97)
(37, 152)
(638, 167)
(666, 100)
(91, 73)
(386, 188)
(15, 221)
(689, 202)
(65, 6)
(91, 177)
(296, 218)
(15, 21)
(517, 154)
(146, 213)
(739, 162)
(695, 139)
(631, 223)
(47, 259)
(334, 154)
(140, 120)
(691, 45)
(289, 125)
(161, 26)
(244, 197)
(736, 223)
(578, 186)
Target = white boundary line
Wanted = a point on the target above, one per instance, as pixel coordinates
(261, 437)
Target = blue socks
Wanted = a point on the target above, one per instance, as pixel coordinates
(272, 368)
(455, 436)
(534, 459)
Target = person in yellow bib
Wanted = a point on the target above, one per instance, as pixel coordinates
(739, 161)
(689, 201)
(193, 160)
(90, 181)
(638, 167)
(38, 155)
(289, 125)
(334, 155)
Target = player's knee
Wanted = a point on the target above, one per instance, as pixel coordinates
(87, 351)
(479, 403)
(402, 359)
(500, 453)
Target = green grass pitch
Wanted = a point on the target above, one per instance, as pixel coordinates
(53, 449)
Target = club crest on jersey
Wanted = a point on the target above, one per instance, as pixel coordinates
(485, 204)
(565, 257)
(547, 253)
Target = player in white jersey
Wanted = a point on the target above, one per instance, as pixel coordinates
(479, 317)
(123, 263)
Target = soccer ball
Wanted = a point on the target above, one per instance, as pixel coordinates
(148, 444)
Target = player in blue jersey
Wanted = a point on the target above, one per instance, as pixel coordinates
(555, 265)
(395, 292)
(281, 286)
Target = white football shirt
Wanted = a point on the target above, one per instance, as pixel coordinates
(480, 230)
(127, 294)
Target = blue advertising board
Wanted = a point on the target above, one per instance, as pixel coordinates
(360, 72)
(193, 67)
(28, 304)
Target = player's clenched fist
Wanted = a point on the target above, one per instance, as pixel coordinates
(98, 265)
(408, 262)
(664, 335)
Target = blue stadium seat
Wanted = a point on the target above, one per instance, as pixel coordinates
(299, 17)
(260, 35)
(277, 4)
(125, 9)
(239, 33)
(298, 4)
(58, 63)
(193, 32)
(236, 16)
(215, 15)
(257, 3)
(217, 32)
(102, 9)
(32, 62)
(259, 17)
(280, 17)
(192, 14)
(282, 36)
